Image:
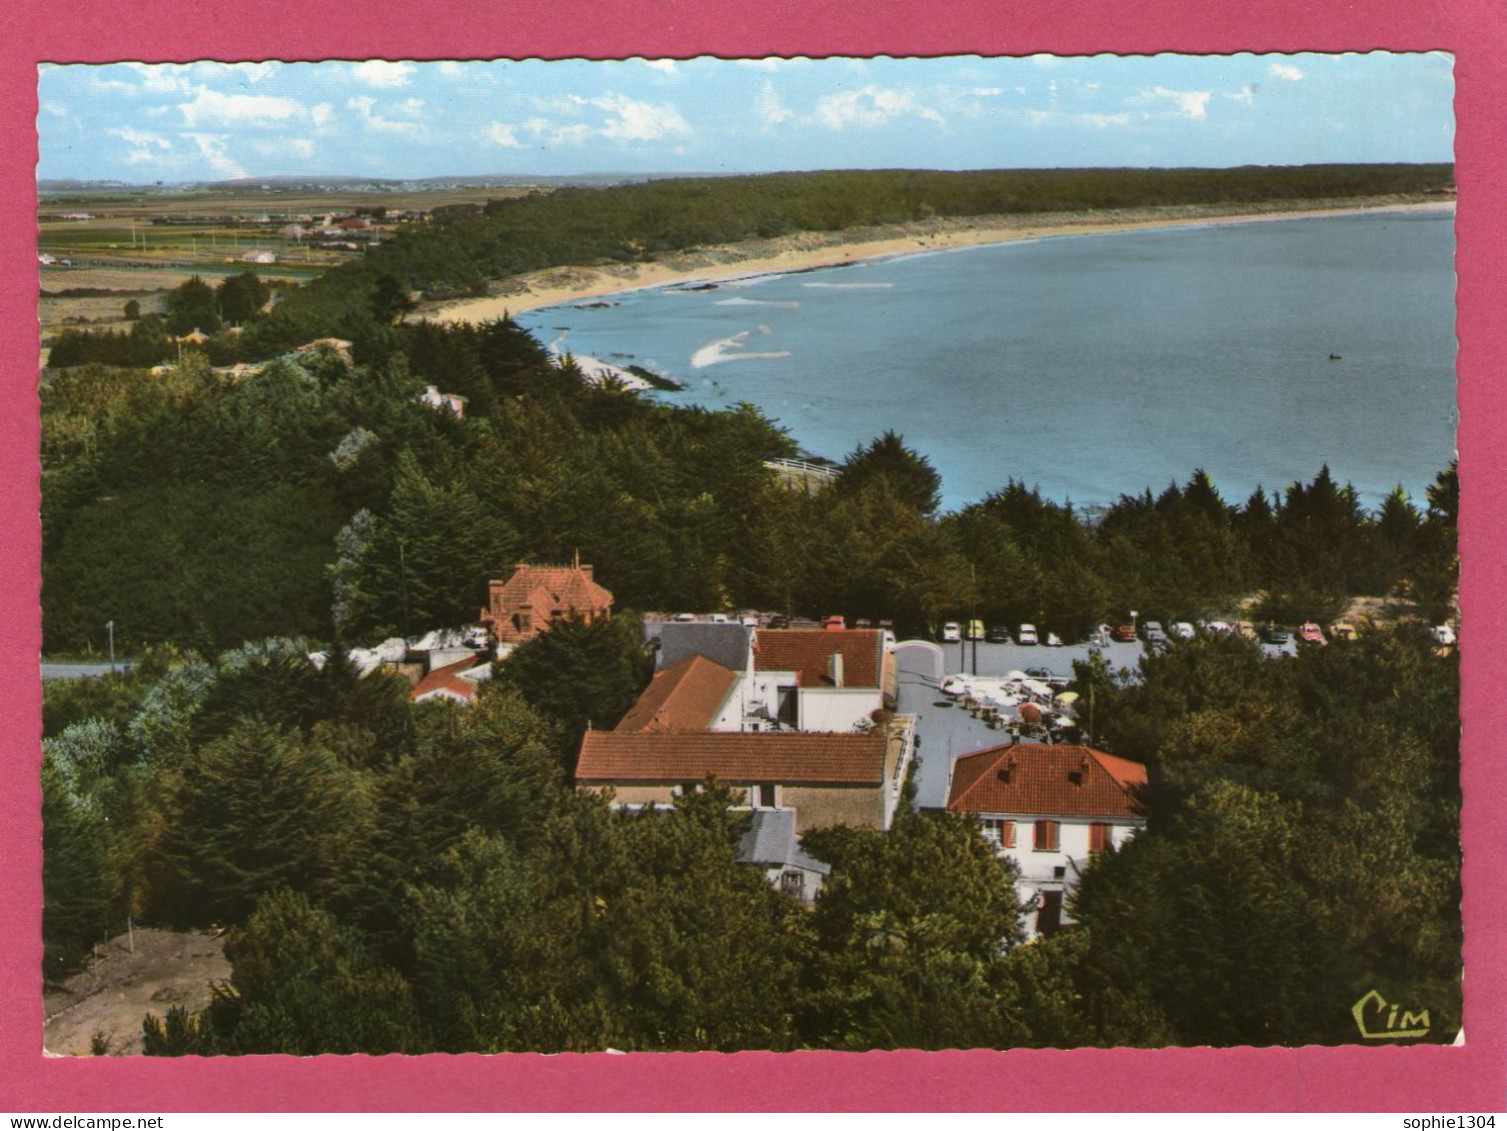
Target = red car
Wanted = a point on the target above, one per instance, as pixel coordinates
(1124, 633)
(1310, 633)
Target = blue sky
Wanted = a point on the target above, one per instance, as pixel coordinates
(203, 121)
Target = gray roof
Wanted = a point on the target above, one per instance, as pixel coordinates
(770, 842)
(725, 644)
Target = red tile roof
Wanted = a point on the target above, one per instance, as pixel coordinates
(552, 587)
(448, 679)
(687, 696)
(1039, 782)
(807, 652)
(733, 757)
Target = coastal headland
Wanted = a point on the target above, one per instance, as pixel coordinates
(810, 251)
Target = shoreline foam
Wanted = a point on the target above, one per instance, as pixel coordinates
(559, 286)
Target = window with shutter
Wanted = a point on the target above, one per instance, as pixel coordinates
(1046, 836)
(1098, 837)
(1007, 834)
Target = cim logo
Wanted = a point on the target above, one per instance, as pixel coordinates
(1381, 1020)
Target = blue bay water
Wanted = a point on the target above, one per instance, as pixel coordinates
(1088, 365)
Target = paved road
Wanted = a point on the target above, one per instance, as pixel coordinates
(80, 671)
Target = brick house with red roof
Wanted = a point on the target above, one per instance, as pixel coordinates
(525, 605)
(1050, 809)
(828, 779)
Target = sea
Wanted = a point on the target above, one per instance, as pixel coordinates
(1086, 365)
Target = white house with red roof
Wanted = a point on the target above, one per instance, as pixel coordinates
(815, 681)
(1050, 809)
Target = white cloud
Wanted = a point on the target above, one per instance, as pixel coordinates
(212, 147)
(504, 135)
(1192, 104)
(139, 137)
(211, 108)
(665, 65)
(771, 107)
(285, 147)
(1059, 118)
(1246, 95)
(364, 104)
(1285, 71)
(242, 72)
(451, 69)
(164, 78)
(321, 113)
(382, 73)
(985, 91)
(146, 148)
(578, 134)
(56, 109)
(870, 106)
(639, 121)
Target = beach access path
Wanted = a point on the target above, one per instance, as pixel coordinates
(808, 251)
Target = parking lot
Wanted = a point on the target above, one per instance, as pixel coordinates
(946, 731)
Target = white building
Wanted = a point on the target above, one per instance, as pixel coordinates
(1050, 809)
(818, 680)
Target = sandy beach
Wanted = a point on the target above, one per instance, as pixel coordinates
(809, 251)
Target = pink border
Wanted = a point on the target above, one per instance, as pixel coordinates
(1351, 1079)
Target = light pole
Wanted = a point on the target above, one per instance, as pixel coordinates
(110, 627)
(1133, 615)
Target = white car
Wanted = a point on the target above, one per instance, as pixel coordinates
(1053, 640)
(1443, 634)
(952, 632)
(1182, 630)
(1026, 635)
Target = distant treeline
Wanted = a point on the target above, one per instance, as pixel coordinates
(466, 247)
(637, 223)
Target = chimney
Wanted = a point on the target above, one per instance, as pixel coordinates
(834, 668)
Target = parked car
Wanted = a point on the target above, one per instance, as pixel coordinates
(1053, 640)
(1183, 630)
(1275, 635)
(1042, 674)
(1153, 628)
(997, 634)
(779, 620)
(952, 632)
(1443, 634)
(1124, 633)
(1342, 630)
(1309, 633)
(1246, 629)
(1221, 627)
(1026, 635)
(975, 630)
